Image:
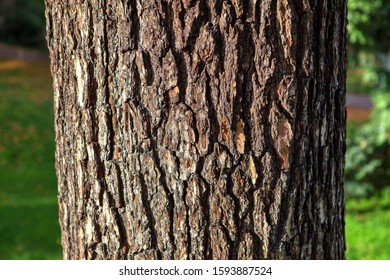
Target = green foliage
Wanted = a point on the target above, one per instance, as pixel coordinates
(369, 43)
(363, 80)
(368, 151)
(369, 24)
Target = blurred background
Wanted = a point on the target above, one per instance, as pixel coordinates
(29, 226)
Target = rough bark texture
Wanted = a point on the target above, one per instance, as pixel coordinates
(199, 129)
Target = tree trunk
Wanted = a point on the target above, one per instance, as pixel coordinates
(199, 129)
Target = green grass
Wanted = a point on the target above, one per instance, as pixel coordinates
(368, 227)
(29, 226)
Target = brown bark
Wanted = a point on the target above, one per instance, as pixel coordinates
(199, 129)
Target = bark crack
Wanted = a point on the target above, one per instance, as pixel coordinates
(149, 214)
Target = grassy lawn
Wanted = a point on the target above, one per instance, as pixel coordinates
(28, 206)
(368, 227)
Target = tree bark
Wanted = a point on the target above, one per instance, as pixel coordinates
(199, 129)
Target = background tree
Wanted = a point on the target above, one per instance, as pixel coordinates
(22, 22)
(199, 129)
